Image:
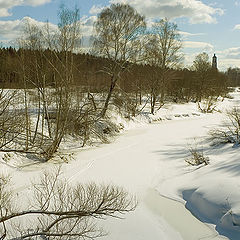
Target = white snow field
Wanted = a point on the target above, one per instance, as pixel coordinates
(175, 200)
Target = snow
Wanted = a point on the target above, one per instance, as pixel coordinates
(148, 160)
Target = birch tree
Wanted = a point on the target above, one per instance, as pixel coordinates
(117, 39)
(52, 47)
(202, 68)
(163, 52)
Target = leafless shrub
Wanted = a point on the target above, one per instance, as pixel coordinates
(107, 127)
(197, 157)
(230, 132)
(63, 211)
(125, 104)
(221, 136)
(208, 105)
(84, 122)
(11, 119)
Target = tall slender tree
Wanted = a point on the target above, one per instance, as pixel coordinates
(55, 48)
(163, 52)
(117, 39)
(202, 68)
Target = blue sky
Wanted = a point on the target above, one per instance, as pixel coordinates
(212, 26)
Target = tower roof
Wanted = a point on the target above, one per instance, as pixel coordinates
(214, 61)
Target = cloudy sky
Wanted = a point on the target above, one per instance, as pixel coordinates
(212, 26)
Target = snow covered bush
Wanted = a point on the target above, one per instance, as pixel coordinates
(208, 105)
(11, 119)
(126, 104)
(230, 131)
(197, 157)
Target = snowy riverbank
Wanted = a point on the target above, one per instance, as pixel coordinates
(149, 159)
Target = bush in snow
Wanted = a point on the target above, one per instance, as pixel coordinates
(12, 120)
(126, 104)
(208, 105)
(230, 132)
(197, 157)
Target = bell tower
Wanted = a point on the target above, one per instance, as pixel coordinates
(214, 62)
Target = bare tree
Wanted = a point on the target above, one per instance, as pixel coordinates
(63, 44)
(202, 67)
(117, 29)
(62, 108)
(163, 52)
(62, 211)
(53, 48)
(33, 76)
(209, 83)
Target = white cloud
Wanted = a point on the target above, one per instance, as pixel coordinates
(188, 59)
(188, 34)
(96, 9)
(11, 30)
(193, 48)
(204, 46)
(4, 12)
(237, 3)
(87, 25)
(236, 27)
(6, 5)
(225, 63)
(35, 2)
(231, 53)
(87, 29)
(195, 10)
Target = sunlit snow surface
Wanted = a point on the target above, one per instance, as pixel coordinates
(149, 161)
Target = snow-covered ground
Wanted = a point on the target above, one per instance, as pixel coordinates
(149, 161)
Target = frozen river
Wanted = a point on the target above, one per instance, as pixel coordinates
(141, 160)
(148, 161)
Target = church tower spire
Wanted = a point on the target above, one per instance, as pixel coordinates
(214, 61)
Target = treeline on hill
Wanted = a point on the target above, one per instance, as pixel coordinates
(50, 92)
(182, 84)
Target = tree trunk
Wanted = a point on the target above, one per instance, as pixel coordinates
(112, 86)
(153, 102)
